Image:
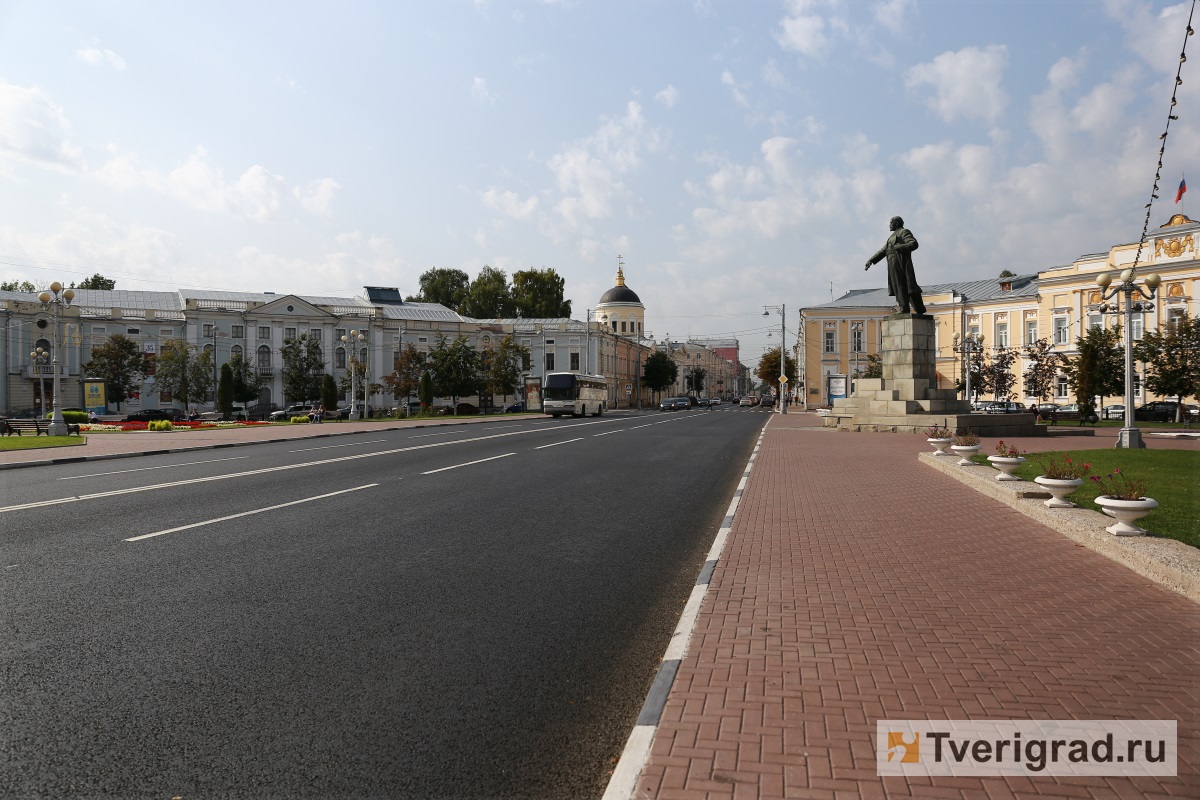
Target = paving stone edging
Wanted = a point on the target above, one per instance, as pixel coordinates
(1169, 563)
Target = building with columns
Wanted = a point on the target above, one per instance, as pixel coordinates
(1056, 303)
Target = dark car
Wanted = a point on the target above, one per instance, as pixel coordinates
(673, 404)
(515, 408)
(151, 414)
(1156, 411)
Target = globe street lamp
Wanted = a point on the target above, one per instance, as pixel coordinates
(967, 347)
(352, 341)
(40, 359)
(1129, 436)
(55, 301)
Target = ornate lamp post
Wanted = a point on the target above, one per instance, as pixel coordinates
(967, 347)
(352, 341)
(1129, 436)
(55, 301)
(40, 359)
(782, 309)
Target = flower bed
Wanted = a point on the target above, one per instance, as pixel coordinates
(119, 427)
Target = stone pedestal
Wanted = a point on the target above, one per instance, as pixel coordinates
(907, 398)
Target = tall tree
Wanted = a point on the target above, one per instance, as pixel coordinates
(171, 370)
(17, 286)
(97, 281)
(500, 368)
(1098, 369)
(303, 367)
(1043, 368)
(425, 391)
(768, 368)
(225, 392)
(1000, 378)
(455, 367)
(329, 393)
(119, 362)
(1172, 358)
(443, 285)
(659, 371)
(489, 296)
(694, 381)
(874, 368)
(405, 380)
(247, 385)
(538, 294)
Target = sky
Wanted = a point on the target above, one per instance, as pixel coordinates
(733, 154)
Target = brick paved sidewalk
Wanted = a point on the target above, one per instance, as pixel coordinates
(858, 584)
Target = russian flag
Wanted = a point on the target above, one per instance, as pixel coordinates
(1182, 189)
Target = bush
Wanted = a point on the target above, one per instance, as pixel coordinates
(300, 419)
(160, 425)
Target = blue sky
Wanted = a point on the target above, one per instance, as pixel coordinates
(735, 154)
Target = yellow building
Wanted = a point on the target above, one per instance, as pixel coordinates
(1055, 304)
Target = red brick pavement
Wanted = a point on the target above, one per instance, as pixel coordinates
(858, 584)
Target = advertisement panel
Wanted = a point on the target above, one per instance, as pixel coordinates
(94, 398)
(533, 394)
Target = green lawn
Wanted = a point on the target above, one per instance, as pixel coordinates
(1171, 478)
(36, 442)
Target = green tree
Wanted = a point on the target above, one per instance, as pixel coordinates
(200, 376)
(1000, 378)
(768, 368)
(18, 286)
(354, 380)
(247, 385)
(1172, 358)
(538, 294)
(425, 392)
(171, 369)
(1043, 368)
(455, 368)
(874, 368)
(303, 368)
(659, 371)
(694, 380)
(1098, 369)
(120, 364)
(489, 296)
(97, 281)
(500, 368)
(405, 380)
(225, 392)
(442, 285)
(329, 393)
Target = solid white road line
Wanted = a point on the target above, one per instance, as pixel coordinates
(467, 464)
(146, 469)
(556, 444)
(330, 446)
(246, 514)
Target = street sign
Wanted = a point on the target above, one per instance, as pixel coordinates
(783, 378)
(628, 388)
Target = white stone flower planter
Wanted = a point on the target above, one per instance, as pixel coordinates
(1059, 488)
(1126, 512)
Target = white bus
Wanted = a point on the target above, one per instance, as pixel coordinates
(574, 394)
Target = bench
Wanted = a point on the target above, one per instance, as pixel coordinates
(39, 426)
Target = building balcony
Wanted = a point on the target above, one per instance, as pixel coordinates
(34, 371)
(265, 372)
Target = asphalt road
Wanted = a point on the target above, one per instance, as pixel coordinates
(466, 613)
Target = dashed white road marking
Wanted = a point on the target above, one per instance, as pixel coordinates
(556, 444)
(468, 463)
(145, 469)
(331, 446)
(246, 513)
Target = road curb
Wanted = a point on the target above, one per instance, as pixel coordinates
(1171, 564)
(623, 783)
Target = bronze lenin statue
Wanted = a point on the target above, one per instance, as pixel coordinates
(902, 281)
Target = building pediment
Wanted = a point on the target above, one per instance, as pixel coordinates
(289, 305)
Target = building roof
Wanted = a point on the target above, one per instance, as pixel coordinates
(420, 312)
(620, 293)
(976, 291)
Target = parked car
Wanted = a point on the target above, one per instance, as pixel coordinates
(294, 410)
(1005, 407)
(1069, 408)
(238, 413)
(515, 408)
(1045, 409)
(747, 401)
(1115, 411)
(1156, 411)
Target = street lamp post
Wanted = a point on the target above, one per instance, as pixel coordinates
(782, 309)
(1129, 436)
(967, 346)
(352, 341)
(55, 301)
(40, 359)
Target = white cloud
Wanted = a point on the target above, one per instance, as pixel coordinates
(668, 96)
(891, 13)
(256, 194)
(510, 204)
(481, 93)
(773, 76)
(738, 97)
(318, 197)
(802, 32)
(34, 128)
(97, 57)
(966, 83)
